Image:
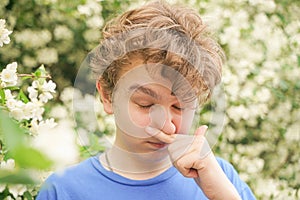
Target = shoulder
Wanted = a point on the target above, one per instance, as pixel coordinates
(231, 173)
(74, 171)
(61, 184)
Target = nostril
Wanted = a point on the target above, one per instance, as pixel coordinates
(157, 116)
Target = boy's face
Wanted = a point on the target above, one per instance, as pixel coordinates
(140, 100)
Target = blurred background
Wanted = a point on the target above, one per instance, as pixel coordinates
(261, 80)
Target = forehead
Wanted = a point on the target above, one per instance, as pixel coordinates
(145, 90)
(139, 79)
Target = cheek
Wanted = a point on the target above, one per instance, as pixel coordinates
(184, 122)
(177, 121)
(139, 117)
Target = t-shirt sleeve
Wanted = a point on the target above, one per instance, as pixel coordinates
(242, 188)
(47, 192)
(51, 191)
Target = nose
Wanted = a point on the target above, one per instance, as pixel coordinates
(169, 126)
(162, 119)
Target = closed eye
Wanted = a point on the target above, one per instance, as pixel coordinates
(178, 108)
(145, 106)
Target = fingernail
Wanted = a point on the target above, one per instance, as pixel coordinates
(150, 130)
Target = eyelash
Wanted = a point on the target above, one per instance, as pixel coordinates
(148, 106)
(178, 108)
(145, 106)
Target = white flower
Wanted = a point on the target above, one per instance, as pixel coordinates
(45, 96)
(95, 22)
(293, 133)
(231, 34)
(262, 28)
(62, 32)
(10, 198)
(240, 19)
(33, 93)
(84, 10)
(47, 56)
(49, 86)
(59, 112)
(266, 6)
(238, 112)
(19, 110)
(50, 123)
(29, 110)
(39, 110)
(4, 33)
(91, 7)
(9, 74)
(17, 113)
(34, 126)
(2, 188)
(91, 35)
(45, 91)
(11, 103)
(85, 104)
(7, 165)
(17, 190)
(69, 93)
(263, 95)
(58, 143)
(12, 66)
(37, 126)
(33, 39)
(8, 94)
(275, 43)
(29, 61)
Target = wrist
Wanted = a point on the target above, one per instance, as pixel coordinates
(214, 182)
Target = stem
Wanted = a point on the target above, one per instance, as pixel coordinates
(33, 76)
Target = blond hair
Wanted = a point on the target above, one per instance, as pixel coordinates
(161, 33)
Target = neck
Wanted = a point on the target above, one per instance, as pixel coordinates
(138, 166)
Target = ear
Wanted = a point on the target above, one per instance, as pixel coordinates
(107, 104)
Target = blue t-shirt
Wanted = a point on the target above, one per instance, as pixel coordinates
(89, 180)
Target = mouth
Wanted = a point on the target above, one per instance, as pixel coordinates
(157, 145)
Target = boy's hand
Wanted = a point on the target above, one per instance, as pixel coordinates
(188, 152)
(193, 158)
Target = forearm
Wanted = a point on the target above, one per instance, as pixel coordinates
(214, 183)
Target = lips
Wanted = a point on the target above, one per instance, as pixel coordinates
(158, 145)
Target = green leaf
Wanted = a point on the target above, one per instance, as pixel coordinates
(28, 157)
(2, 96)
(15, 177)
(40, 71)
(297, 85)
(23, 97)
(12, 88)
(13, 135)
(27, 195)
(18, 147)
(27, 77)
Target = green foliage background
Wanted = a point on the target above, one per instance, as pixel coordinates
(261, 134)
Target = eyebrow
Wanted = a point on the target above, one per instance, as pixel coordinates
(145, 90)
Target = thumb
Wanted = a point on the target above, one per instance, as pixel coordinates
(205, 148)
(201, 130)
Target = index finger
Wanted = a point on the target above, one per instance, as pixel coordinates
(161, 136)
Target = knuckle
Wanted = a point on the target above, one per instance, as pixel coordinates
(180, 163)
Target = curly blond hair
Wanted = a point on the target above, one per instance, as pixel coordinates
(158, 32)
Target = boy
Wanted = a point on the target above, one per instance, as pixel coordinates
(155, 65)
